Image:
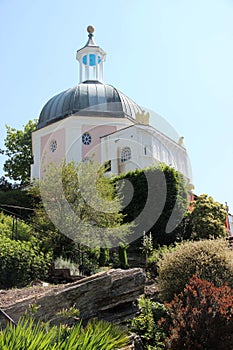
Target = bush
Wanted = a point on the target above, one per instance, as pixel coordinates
(103, 257)
(61, 263)
(18, 202)
(201, 317)
(155, 256)
(12, 227)
(146, 325)
(123, 256)
(21, 263)
(208, 259)
(97, 335)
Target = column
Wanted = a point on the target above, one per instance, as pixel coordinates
(97, 67)
(101, 71)
(81, 70)
(114, 166)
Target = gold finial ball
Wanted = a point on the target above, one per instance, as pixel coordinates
(90, 29)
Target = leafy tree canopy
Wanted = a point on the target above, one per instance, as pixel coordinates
(80, 202)
(5, 185)
(206, 220)
(18, 149)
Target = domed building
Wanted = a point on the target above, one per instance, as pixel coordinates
(96, 121)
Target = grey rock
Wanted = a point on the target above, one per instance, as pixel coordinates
(109, 295)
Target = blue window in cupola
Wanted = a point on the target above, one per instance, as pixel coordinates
(92, 60)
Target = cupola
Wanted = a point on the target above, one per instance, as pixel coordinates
(91, 59)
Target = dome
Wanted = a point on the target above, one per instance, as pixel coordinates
(90, 98)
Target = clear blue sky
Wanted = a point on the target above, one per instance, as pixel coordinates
(172, 56)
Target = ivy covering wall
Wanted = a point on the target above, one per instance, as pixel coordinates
(152, 186)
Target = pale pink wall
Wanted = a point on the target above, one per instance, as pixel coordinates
(96, 132)
(46, 155)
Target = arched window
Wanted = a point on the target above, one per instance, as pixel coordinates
(125, 154)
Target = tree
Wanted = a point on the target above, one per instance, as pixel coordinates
(17, 202)
(18, 149)
(80, 203)
(206, 220)
(5, 185)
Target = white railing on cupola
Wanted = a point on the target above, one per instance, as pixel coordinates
(91, 59)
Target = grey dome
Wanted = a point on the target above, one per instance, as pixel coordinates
(90, 98)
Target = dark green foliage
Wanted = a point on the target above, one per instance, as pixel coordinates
(18, 202)
(162, 190)
(206, 220)
(21, 263)
(208, 259)
(51, 240)
(201, 317)
(14, 228)
(97, 335)
(89, 260)
(212, 221)
(18, 149)
(6, 185)
(147, 324)
(154, 258)
(104, 257)
(123, 256)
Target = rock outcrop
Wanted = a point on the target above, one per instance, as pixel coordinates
(108, 295)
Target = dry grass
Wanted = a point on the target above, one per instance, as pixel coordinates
(12, 296)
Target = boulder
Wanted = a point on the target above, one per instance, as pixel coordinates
(108, 295)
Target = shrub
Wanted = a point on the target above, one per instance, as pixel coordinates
(208, 259)
(18, 202)
(156, 255)
(21, 263)
(97, 335)
(12, 227)
(201, 317)
(146, 325)
(123, 256)
(61, 263)
(103, 257)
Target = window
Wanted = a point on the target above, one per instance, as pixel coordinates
(125, 154)
(53, 146)
(86, 160)
(86, 138)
